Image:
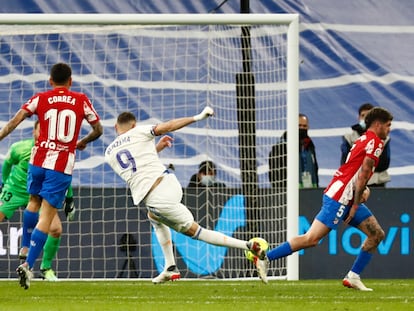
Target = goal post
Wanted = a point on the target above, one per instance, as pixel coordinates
(150, 19)
(164, 66)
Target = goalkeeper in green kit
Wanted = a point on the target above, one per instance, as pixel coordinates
(14, 195)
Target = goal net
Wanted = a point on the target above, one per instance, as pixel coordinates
(161, 67)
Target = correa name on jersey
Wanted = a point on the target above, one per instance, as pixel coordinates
(119, 142)
(61, 99)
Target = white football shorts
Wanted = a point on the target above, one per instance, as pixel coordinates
(164, 201)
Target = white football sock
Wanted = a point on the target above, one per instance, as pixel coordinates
(163, 234)
(218, 238)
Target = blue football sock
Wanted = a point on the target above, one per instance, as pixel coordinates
(282, 250)
(36, 246)
(361, 262)
(29, 223)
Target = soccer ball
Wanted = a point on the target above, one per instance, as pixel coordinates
(263, 244)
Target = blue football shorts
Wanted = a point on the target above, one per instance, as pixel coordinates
(332, 212)
(50, 185)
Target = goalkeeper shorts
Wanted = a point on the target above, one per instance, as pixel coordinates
(11, 200)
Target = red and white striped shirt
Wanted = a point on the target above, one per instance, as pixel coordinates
(342, 186)
(61, 113)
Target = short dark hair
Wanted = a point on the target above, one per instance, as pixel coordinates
(378, 114)
(365, 107)
(206, 166)
(125, 117)
(60, 73)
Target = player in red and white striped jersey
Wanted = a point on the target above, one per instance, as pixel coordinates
(60, 113)
(343, 184)
(344, 199)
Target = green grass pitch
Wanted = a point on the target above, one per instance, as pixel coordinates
(207, 295)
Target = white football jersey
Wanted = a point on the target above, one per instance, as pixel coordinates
(133, 156)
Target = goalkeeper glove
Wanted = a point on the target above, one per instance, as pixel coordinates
(69, 208)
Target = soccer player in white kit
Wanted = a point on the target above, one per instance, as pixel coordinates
(133, 155)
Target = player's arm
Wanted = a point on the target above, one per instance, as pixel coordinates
(176, 124)
(363, 177)
(360, 185)
(94, 134)
(7, 165)
(13, 123)
(164, 142)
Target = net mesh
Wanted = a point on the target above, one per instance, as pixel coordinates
(159, 73)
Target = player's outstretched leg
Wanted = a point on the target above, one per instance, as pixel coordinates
(25, 275)
(170, 274)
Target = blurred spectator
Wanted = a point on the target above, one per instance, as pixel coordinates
(380, 176)
(206, 176)
(308, 164)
